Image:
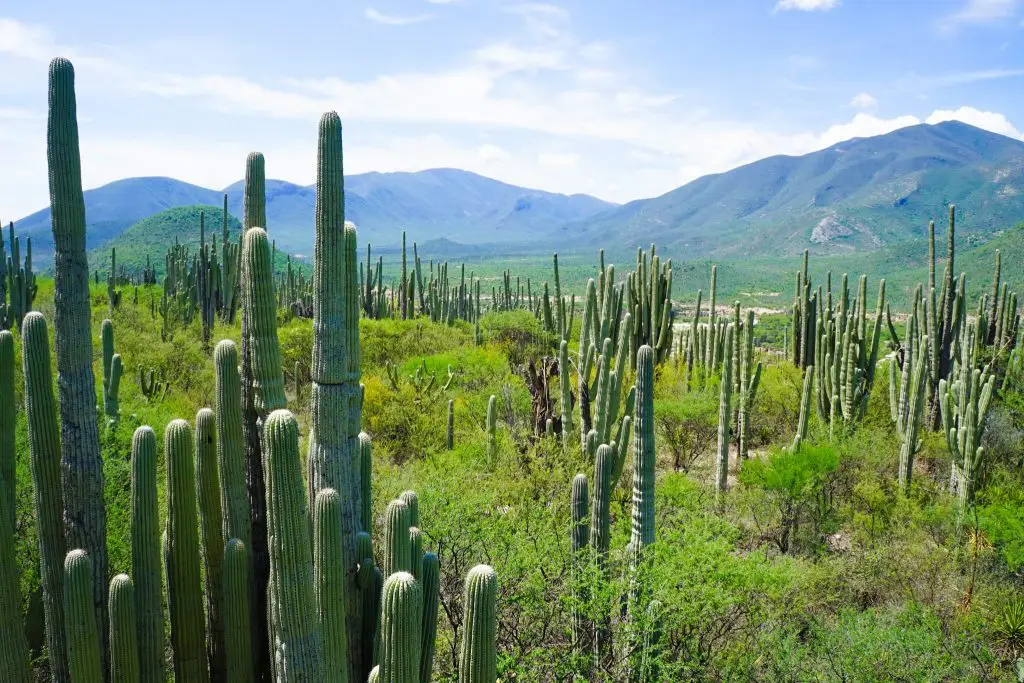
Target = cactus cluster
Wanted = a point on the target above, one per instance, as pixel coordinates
(907, 392)
(18, 286)
(650, 303)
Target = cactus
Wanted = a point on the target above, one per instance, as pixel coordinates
(492, 429)
(8, 453)
(366, 482)
(335, 453)
(124, 650)
(230, 454)
(650, 302)
(450, 431)
(85, 660)
(329, 582)
(400, 629)
(749, 379)
(724, 414)
(297, 646)
(397, 548)
(580, 539)
(85, 520)
(261, 312)
(14, 653)
(184, 591)
(237, 627)
(415, 551)
(805, 407)
(44, 452)
(644, 453)
(430, 581)
(565, 390)
(478, 654)
(149, 623)
(209, 494)
(906, 412)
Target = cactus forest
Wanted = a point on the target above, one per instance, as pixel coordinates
(233, 464)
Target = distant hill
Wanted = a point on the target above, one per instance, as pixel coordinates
(856, 195)
(434, 204)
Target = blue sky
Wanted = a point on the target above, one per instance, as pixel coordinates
(618, 98)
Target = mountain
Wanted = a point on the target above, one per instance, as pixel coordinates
(439, 203)
(856, 195)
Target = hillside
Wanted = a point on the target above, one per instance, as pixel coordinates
(439, 203)
(856, 195)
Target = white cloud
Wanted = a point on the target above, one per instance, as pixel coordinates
(980, 12)
(394, 19)
(491, 152)
(988, 120)
(864, 102)
(806, 5)
(560, 159)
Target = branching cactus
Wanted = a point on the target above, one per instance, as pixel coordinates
(85, 660)
(401, 629)
(148, 585)
(329, 581)
(45, 460)
(237, 626)
(297, 647)
(209, 492)
(724, 415)
(124, 649)
(85, 518)
(478, 655)
(430, 581)
(397, 549)
(184, 587)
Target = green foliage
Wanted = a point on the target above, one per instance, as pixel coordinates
(1001, 518)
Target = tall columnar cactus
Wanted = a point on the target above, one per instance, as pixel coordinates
(580, 540)
(230, 453)
(450, 430)
(335, 454)
(148, 585)
(85, 660)
(750, 378)
(650, 302)
(85, 519)
(492, 429)
(184, 587)
(329, 583)
(805, 407)
(724, 415)
(565, 391)
(430, 582)
(397, 550)
(478, 658)
(401, 629)
(124, 649)
(415, 551)
(412, 500)
(14, 653)
(8, 454)
(209, 491)
(365, 484)
(237, 627)
(45, 456)
(906, 410)
(644, 452)
(261, 313)
(297, 648)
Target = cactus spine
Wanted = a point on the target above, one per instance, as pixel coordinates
(329, 581)
(430, 581)
(45, 454)
(184, 590)
(724, 413)
(237, 627)
(124, 649)
(478, 655)
(400, 629)
(335, 455)
(85, 661)
(85, 519)
(209, 491)
(297, 646)
(149, 613)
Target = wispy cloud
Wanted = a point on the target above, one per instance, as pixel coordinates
(980, 12)
(806, 5)
(395, 19)
(961, 78)
(864, 102)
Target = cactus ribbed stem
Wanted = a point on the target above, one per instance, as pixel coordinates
(580, 539)
(478, 656)
(397, 549)
(724, 413)
(237, 627)
(148, 585)
(329, 581)
(8, 455)
(430, 581)
(644, 451)
(209, 492)
(124, 650)
(564, 387)
(85, 519)
(366, 482)
(14, 654)
(184, 588)
(230, 453)
(261, 310)
(45, 454)
(805, 407)
(85, 661)
(401, 629)
(297, 647)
